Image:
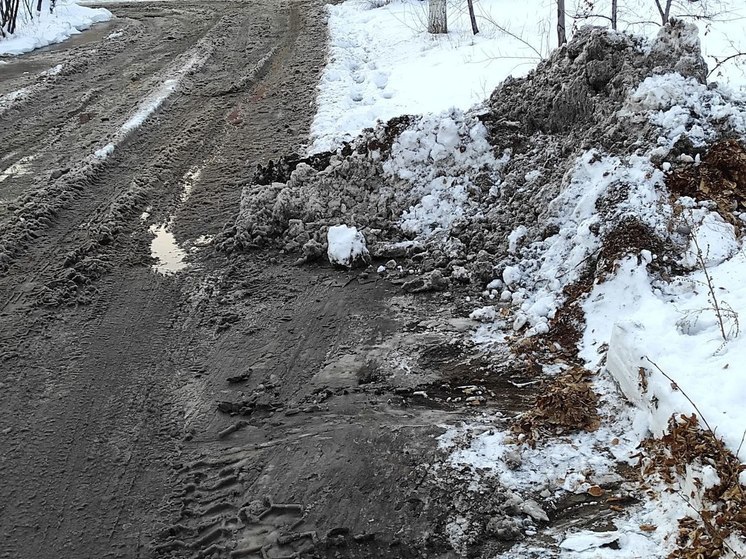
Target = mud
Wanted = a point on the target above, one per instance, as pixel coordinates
(242, 406)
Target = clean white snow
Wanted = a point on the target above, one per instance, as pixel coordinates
(382, 63)
(45, 29)
(346, 245)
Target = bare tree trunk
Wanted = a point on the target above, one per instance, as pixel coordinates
(668, 11)
(437, 17)
(664, 10)
(561, 30)
(13, 16)
(613, 14)
(473, 18)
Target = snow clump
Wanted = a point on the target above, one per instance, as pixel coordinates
(346, 246)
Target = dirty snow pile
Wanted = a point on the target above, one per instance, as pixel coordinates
(46, 28)
(578, 206)
(450, 191)
(650, 240)
(408, 181)
(383, 64)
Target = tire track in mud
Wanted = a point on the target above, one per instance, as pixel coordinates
(100, 375)
(88, 178)
(309, 385)
(97, 83)
(200, 129)
(103, 429)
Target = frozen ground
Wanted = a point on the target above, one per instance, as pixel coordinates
(383, 64)
(43, 28)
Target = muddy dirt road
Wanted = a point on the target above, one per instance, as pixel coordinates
(241, 407)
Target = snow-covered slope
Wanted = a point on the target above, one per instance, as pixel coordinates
(46, 28)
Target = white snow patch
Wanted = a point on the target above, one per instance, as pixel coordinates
(54, 70)
(546, 267)
(345, 245)
(24, 93)
(439, 156)
(44, 29)
(382, 62)
(203, 241)
(566, 464)
(684, 107)
(188, 181)
(675, 326)
(104, 152)
(19, 168)
(584, 541)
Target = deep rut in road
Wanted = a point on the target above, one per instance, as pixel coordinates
(242, 407)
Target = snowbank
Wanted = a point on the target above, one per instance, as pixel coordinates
(45, 29)
(599, 222)
(382, 64)
(675, 327)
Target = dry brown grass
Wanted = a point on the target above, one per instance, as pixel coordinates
(720, 177)
(566, 404)
(704, 536)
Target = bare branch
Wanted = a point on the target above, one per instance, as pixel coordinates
(511, 34)
(674, 383)
(720, 63)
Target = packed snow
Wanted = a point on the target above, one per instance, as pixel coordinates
(441, 156)
(20, 95)
(150, 104)
(346, 246)
(44, 28)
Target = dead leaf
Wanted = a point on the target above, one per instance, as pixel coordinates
(595, 491)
